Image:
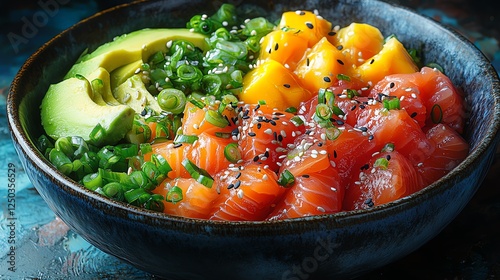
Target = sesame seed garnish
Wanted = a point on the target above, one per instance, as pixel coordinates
(276, 47)
(327, 79)
(340, 62)
(309, 25)
(286, 85)
(240, 193)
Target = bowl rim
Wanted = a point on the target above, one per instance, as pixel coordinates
(121, 209)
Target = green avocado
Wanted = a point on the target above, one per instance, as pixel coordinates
(101, 92)
(74, 113)
(131, 47)
(100, 81)
(133, 93)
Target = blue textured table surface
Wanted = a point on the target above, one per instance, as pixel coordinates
(45, 248)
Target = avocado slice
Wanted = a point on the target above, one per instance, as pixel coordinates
(68, 109)
(122, 73)
(84, 100)
(131, 47)
(133, 93)
(100, 81)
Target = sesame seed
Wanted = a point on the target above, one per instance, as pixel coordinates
(326, 79)
(340, 62)
(286, 85)
(240, 193)
(309, 25)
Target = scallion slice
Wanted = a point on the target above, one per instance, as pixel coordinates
(286, 179)
(174, 194)
(232, 152)
(199, 174)
(215, 118)
(182, 138)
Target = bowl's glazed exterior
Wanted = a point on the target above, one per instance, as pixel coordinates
(331, 246)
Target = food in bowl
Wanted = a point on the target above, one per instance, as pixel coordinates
(264, 121)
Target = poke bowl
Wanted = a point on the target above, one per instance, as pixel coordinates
(348, 241)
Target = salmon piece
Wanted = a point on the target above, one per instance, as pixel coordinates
(451, 149)
(195, 199)
(194, 121)
(207, 153)
(311, 194)
(265, 134)
(377, 184)
(252, 193)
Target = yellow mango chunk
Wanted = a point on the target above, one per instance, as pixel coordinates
(286, 47)
(392, 59)
(307, 25)
(275, 84)
(360, 41)
(320, 66)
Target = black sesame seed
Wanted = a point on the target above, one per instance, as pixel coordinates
(334, 153)
(255, 158)
(340, 62)
(280, 138)
(369, 202)
(256, 108)
(388, 157)
(391, 85)
(370, 137)
(276, 47)
(235, 132)
(252, 134)
(230, 186)
(339, 122)
(238, 175)
(327, 79)
(414, 114)
(177, 145)
(305, 175)
(237, 184)
(301, 13)
(266, 154)
(331, 33)
(340, 47)
(353, 108)
(287, 85)
(307, 61)
(309, 25)
(259, 125)
(365, 167)
(272, 122)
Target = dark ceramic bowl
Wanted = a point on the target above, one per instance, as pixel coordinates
(336, 246)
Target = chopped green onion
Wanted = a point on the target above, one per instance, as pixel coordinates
(182, 138)
(262, 102)
(215, 118)
(133, 195)
(323, 112)
(113, 190)
(232, 152)
(297, 121)
(199, 174)
(389, 147)
(381, 163)
(351, 93)
(61, 161)
(436, 114)
(92, 181)
(286, 179)
(172, 100)
(225, 135)
(292, 110)
(161, 163)
(391, 103)
(174, 194)
(343, 77)
(332, 133)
